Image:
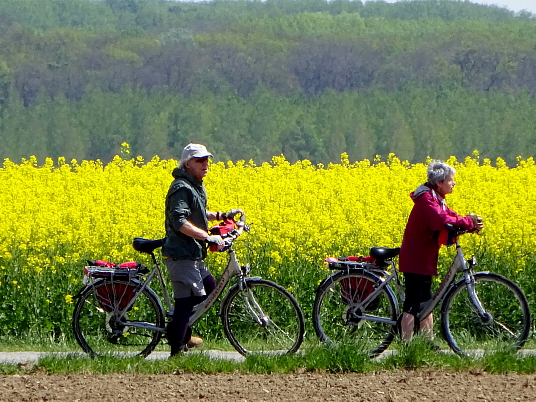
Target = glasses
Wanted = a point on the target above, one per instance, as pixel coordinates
(201, 160)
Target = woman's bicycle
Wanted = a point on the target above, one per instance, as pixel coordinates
(478, 311)
(117, 311)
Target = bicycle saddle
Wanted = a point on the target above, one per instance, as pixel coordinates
(382, 253)
(145, 245)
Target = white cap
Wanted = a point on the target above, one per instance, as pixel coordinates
(193, 151)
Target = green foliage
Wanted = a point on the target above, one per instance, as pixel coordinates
(309, 79)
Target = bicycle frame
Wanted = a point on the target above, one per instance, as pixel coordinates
(118, 307)
(458, 264)
(233, 268)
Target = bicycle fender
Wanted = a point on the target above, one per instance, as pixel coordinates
(76, 296)
(453, 286)
(461, 282)
(83, 289)
(254, 278)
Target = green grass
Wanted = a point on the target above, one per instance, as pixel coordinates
(44, 344)
(37, 344)
(313, 358)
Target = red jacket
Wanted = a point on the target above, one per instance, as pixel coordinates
(420, 248)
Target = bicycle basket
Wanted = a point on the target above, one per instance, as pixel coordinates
(114, 296)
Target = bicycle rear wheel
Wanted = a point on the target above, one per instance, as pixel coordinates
(100, 330)
(467, 333)
(340, 318)
(264, 318)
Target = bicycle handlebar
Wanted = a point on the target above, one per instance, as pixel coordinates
(148, 246)
(241, 226)
(458, 231)
(232, 235)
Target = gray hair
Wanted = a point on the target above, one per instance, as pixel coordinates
(438, 171)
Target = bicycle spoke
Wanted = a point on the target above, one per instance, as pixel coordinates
(465, 330)
(504, 327)
(281, 325)
(101, 326)
(340, 318)
(279, 330)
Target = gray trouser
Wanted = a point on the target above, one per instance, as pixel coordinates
(187, 277)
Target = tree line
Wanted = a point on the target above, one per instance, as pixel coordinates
(309, 79)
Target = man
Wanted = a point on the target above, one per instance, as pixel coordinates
(185, 246)
(420, 247)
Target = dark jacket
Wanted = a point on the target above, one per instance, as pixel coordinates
(186, 200)
(420, 248)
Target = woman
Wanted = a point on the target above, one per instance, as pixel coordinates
(420, 246)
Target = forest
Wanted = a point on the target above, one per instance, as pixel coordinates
(309, 79)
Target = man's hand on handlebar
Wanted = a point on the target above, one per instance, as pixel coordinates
(231, 214)
(216, 239)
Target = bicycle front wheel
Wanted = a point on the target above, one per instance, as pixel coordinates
(341, 318)
(508, 323)
(101, 329)
(262, 318)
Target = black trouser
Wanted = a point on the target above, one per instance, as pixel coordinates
(418, 291)
(178, 331)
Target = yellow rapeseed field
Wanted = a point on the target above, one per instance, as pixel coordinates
(56, 214)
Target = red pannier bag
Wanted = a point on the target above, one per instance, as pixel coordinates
(353, 290)
(114, 295)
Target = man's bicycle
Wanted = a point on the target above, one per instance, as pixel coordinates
(478, 311)
(117, 312)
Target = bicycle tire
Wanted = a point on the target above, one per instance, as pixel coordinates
(97, 329)
(337, 312)
(283, 324)
(465, 332)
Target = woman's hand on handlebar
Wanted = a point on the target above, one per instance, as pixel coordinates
(478, 223)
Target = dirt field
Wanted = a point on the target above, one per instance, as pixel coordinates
(386, 386)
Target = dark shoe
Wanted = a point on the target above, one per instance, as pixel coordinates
(177, 350)
(433, 347)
